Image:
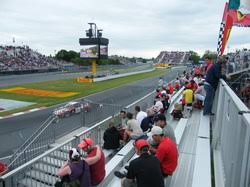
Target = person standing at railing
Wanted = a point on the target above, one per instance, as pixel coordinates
(96, 160)
(74, 172)
(139, 114)
(213, 76)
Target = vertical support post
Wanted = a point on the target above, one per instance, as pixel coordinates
(94, 67)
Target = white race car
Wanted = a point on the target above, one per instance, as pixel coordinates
(67, 110)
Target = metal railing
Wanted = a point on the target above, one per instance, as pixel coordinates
(54, 158)
(35, 145)
(231, 139)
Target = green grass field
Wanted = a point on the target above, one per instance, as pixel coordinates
(68, 85)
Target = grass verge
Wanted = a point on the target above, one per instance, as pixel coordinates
(69, 85)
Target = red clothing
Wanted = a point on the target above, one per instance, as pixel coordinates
(194, 86)
(197, 71)
(97, 170)
(177, 86)
(170, 88)
(209, 65)
(167, 153)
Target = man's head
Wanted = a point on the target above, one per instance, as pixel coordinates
(137, 109)
(129, 115)
(208, 60)
(160, 120)
(122, 114)
(86, 144)
(157, 134)
(141, 146)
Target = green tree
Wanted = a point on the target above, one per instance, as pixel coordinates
(194, 57)
(209, 54)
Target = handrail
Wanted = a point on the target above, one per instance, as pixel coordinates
(21, 148)
(9, 174)
(33, 139)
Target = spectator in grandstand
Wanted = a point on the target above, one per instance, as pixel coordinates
(166, 151)
(160, 120)
(140, 115)
(170, 88)
(188, 95)
(165, 101)
(200, 94)
(211, 82)
(160, 82)
(74, 172)
(122, 127)
(96, 160)
(144, 171)
(133, 130)
(177, 84)
(158, 106)
(111, 137)
(148, 122)
(193, 85)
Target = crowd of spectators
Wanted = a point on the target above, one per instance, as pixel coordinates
(172, 57)
(21, 58)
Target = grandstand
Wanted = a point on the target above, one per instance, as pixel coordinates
(172, 57)
(23, 58)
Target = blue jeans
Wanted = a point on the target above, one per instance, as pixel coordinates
(208, 103)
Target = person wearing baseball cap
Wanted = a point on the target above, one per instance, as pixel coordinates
(96, 160)
(160, 120)
(74, 171)
(144, 171)
(166, 151)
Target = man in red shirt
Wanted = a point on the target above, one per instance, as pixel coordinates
(166, 151)
(96, 160)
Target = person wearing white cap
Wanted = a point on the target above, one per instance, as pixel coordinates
(74, 171)
(166, 151)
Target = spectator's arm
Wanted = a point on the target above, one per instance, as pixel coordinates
(64, 170)
(94, 159)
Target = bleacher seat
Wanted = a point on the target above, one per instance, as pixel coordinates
(202, 168)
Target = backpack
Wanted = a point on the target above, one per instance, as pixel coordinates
(177, 114)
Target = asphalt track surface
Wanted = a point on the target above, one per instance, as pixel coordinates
(15, 130)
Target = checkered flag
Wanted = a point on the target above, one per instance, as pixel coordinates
(220, 39)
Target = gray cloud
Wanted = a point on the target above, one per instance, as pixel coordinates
(135, 28)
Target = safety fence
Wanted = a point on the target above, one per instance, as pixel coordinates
(42, 169)
(231, 139)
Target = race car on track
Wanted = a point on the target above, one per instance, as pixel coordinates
(69, 109)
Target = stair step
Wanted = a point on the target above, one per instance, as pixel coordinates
(42, 177)
(46, 168)
(53, 161)
(60, 154)
(29, 182)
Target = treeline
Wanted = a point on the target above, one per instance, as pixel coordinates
(74, 57)
(195, 58)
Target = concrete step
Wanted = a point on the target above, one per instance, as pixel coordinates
(46, 168)
(29, 182)
(42, 177)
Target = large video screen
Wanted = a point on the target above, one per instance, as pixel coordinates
(89, 51)
(104, 50)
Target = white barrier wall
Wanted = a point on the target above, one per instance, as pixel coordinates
(231, 139)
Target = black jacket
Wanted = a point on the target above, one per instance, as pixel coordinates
(214, 74)
(111, 138)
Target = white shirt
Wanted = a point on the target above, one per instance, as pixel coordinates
(140, 116)
(158, 105)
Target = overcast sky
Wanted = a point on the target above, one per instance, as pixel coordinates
(134, 27)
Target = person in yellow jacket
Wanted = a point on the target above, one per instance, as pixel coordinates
(188, 95)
